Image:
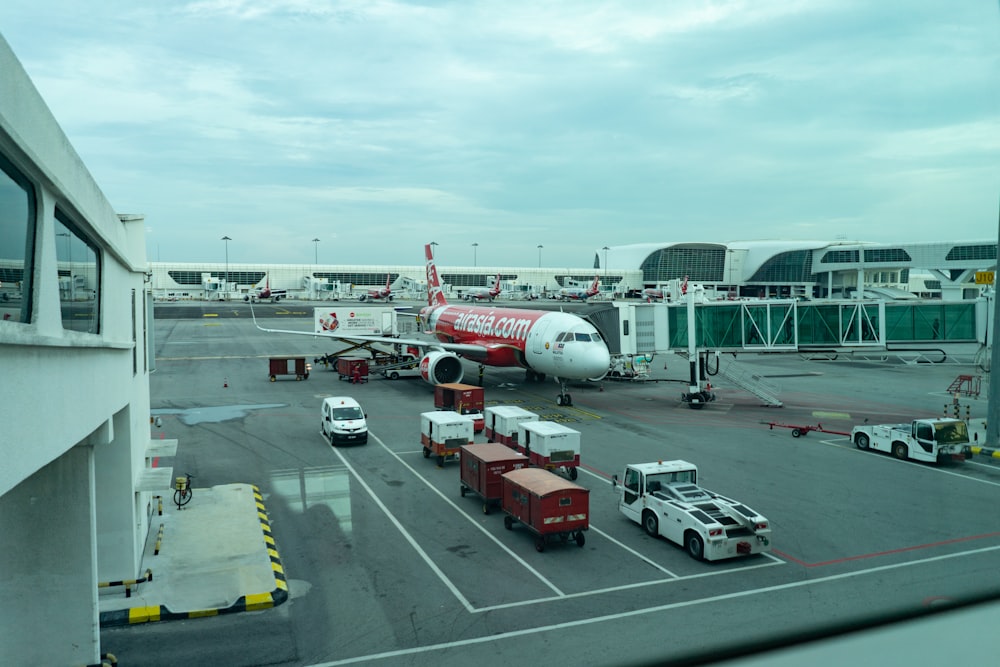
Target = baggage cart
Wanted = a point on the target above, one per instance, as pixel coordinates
(547, 504)
(290, 365)
(482, 466)
(502, 420)
(549, 445)
(465, 399)
(444, 433)
(352, 369)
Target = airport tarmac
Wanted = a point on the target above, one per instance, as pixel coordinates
(386, 563)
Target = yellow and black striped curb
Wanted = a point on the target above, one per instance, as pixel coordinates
(986, 451)
(249, 602)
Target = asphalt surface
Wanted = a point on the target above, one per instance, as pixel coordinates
(385, 563)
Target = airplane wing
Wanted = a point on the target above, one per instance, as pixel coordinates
(462, 349)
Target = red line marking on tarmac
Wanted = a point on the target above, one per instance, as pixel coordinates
(886, 553)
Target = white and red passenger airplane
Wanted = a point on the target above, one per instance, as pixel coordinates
(560, 345)
(380, 293)
(267, 293)
(483, 292)
(576, 294)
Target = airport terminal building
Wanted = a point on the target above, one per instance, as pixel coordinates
(744, 269)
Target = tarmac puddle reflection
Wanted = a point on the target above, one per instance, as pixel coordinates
(214, 414)
(308, 487)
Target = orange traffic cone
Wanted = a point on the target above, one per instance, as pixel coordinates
(225, 383)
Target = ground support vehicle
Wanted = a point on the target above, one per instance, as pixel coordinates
(549, 445)
(396, 367)
(929, 440)
(546, 504)
(501, 423)
(444, 433)
(342, 421)
(352, 369)
(665, 499)
(361, 320)
(482, 467)
(296, 366)
(465, 399)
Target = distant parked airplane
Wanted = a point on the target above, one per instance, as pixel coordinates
(483, 292)
(274, 295)
(379, 293)
(575, 293)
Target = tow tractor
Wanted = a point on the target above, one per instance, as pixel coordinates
(928, 440)
(665, 499)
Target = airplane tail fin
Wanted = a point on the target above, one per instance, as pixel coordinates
(496, 286)
(594, 285)
(435, 297)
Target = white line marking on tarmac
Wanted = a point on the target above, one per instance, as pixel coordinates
(409, 538)
(467, 518)
(891, 459)
(640, 612)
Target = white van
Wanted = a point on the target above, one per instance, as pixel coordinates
(343, 421)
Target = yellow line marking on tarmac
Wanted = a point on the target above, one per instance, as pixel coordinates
(819, 414)
(209, 314)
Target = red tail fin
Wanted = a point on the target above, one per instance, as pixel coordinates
(594, 286)
(435, 297)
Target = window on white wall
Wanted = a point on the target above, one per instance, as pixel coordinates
(17, 242)
(79, 268)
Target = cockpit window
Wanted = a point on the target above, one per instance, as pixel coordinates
(583, 337)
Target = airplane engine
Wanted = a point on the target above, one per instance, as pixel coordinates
(441, 367)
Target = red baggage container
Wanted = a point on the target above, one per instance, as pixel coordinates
(352, 369)
(296, 366)
(482, 467)
(465, 399)
(546, 504)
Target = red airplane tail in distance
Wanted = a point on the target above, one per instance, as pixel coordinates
(435, 297)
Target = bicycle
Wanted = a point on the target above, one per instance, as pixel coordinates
(183, 491)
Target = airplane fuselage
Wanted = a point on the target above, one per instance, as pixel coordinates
(551, 343)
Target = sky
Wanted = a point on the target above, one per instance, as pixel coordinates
(378, 126)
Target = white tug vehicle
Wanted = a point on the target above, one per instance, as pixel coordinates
(664, 497)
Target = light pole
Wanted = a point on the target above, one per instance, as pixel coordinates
(540, 256)
(605, 249)
(475, 246)
(316, 251)
(227, 240)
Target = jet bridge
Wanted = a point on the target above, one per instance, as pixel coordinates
(842, 327)
(773, 325)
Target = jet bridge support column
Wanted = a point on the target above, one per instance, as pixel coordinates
(696, 397)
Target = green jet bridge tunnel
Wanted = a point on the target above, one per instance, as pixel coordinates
(917, 332)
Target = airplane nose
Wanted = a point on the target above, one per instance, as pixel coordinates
(593, 361)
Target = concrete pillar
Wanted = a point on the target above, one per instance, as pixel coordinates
(48, 577)
(119, 557)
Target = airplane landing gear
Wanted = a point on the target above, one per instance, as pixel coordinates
(563, 398)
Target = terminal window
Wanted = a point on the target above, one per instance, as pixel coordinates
(79, 269)
(17, 241)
